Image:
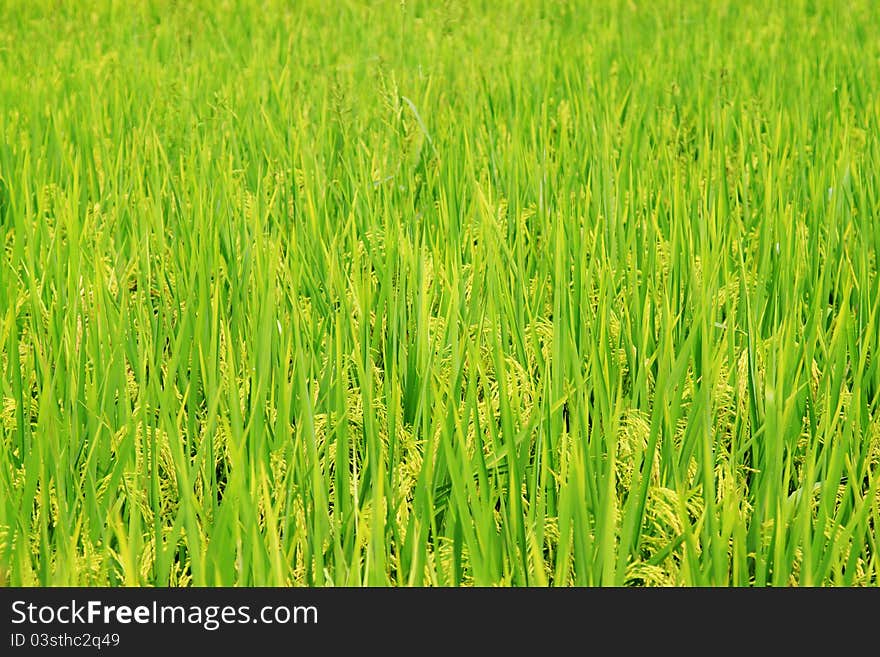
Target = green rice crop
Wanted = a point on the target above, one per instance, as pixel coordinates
(439, 293)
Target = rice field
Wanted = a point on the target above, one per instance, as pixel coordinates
(402, 293)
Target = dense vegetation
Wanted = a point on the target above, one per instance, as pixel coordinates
(411, 293)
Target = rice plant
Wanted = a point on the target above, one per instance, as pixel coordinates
(439, 293)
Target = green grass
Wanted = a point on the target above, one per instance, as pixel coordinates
(424, 293)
